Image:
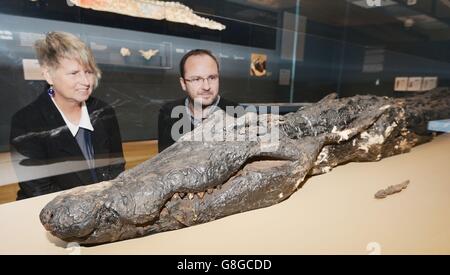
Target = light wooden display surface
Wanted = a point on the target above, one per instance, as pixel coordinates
(334, 213)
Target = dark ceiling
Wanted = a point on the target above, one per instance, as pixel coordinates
(418, 27)
(427, 19)
(333, 12)
(392, 23)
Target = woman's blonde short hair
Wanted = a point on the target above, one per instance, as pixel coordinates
(58, 45)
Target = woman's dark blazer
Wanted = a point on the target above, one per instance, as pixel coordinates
(46, 156)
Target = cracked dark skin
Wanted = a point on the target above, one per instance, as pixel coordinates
(196, 182)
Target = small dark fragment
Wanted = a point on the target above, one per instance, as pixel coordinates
(391, 190)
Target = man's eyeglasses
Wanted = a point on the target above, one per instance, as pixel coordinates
(197, 80)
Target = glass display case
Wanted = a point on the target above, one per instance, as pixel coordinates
(270, 52)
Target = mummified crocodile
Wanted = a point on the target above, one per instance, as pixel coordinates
(195, 182)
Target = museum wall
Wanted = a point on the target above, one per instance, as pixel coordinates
(397, 40)
(332, 46)
(137, 87)
(310, 47)
(380, 80)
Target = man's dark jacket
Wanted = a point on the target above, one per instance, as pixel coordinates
(165, 121)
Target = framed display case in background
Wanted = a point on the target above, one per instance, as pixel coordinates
(270, 52)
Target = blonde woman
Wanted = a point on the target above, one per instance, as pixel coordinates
(66, 136)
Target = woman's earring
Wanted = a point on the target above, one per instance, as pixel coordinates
(51, 91)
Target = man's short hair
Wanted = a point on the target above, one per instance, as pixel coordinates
(194, 53)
